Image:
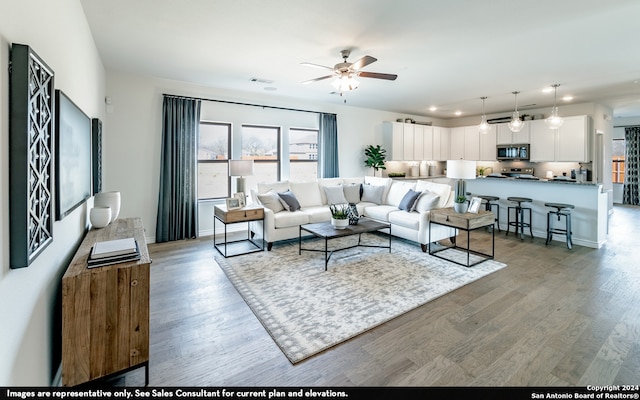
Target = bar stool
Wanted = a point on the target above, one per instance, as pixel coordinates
(562, 209)
(488, 205)
(519, 216)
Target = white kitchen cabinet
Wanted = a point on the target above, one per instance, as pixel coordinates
(427, 143)
(441, 143)
(569, 143)
(393, 140)
(407, 142)
(471, 143)
(505, 136)
(418, 142)
(456, 150)
(488, 145)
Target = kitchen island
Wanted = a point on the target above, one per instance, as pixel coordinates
(589, 218)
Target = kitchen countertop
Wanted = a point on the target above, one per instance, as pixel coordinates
(541, 180)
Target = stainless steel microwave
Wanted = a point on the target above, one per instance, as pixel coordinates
(512, 152)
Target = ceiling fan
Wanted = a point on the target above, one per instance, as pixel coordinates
(346, 72)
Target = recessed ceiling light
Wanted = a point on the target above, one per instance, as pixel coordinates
(458, 113)
(567, 98)
(433, 108)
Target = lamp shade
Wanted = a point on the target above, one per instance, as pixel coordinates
(240, 167)
(461, 169)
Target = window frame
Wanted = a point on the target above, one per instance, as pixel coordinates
(312, 146)
(278, 160)
(616, 163)
(229, 126)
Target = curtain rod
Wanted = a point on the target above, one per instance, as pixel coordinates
(626, 126)
(245, 104)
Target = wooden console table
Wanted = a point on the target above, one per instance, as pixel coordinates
(105, 310)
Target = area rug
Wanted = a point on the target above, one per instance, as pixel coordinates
(306, 309)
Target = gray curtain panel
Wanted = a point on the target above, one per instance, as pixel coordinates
(328, 147)
(631, 194)
(178, 199)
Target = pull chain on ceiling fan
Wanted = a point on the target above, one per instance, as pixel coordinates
(346, 72)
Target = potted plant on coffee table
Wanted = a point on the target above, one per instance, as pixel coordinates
(460, 205)
(339, 215)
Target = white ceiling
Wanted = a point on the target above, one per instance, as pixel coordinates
(446, 53)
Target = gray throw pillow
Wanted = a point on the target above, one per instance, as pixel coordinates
(372, 193)
(427, 201)
(270, 200)
(352, 192)
(335, 195)
(409, 200)
(289, 201)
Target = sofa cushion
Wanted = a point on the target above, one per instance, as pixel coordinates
(357, 180)
(307, 193)
(318, 214)
(323, 182)
(335, 195)
(271, 200)
(288, 219)
(376, 180)
(280, 186)
(441, 189)
(409, 220)
(379, 212)
(352, 192)
(289, 201)
(397, 191)
(427, 201)
(408, 201)
(372, 193)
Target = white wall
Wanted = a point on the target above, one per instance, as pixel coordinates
(29, 297)
(135, 135)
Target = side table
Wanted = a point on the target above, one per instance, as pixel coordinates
(244, 214)
(465, 222)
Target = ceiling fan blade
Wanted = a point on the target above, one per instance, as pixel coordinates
(316, 65)
(317, 79)
(377, 75)
(363, 62)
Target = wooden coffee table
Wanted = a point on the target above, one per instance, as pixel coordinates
(326, 231)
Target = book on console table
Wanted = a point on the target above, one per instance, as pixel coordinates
(113, 252)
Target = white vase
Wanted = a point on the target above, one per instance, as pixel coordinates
(339, 223)
(100, 216)
(108, 199)
(460, 207)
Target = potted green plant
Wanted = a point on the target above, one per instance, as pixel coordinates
(339, 215)
(375, 156)
(460, 204)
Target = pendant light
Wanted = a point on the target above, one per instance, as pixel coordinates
(554, 121)
(484, 127)
(516, 124)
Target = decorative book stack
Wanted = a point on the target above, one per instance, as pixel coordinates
(113, 252)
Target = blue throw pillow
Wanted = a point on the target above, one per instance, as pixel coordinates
(289, 200)
(409, 200)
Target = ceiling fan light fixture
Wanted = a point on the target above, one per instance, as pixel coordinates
(484, 126)
(554, 121)
(345, 83)
(516, 124)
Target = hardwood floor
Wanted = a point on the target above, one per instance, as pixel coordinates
(553, 317)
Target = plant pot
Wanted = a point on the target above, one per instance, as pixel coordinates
(108, 199)
(100, 216)
(460, 207)
(339, 223)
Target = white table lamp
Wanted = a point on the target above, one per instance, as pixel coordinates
(240, 168)
(461, 170)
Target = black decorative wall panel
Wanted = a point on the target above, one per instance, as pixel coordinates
(96, 145)
(30, 155)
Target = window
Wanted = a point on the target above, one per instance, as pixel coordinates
(213, 160)
(618, 149)
(261, 144)
(303, 154)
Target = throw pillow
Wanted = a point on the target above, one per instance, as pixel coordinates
(427, 201)
(270, 200)
(289, 201)
(335, 195)
(409, 200)
(372, 193)
(352, 192)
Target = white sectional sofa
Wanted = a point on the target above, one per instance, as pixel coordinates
(376, 198)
